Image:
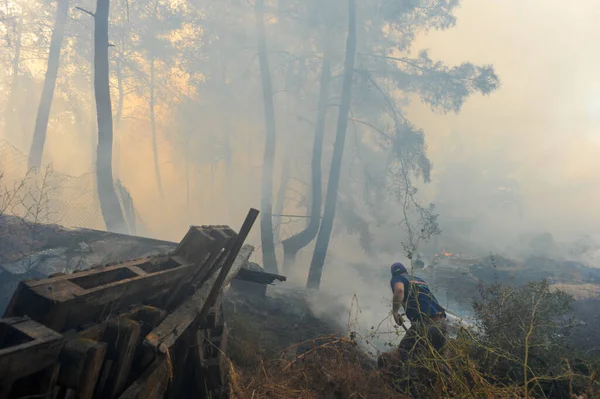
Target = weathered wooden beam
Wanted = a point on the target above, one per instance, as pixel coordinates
(215, 313)
(196, 244)
(65, 302)
(81, 361)
(259, 277)
(40, 384)
(175, 335)
(26, 347)
(148, 317)
(229, 238)
(196, 307)
(122, 337)
(220, 236)
(224, 276)
(153, 383)
(196, 359)
(210, 370)
(211, 320)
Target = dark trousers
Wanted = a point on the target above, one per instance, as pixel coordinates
(422, 334)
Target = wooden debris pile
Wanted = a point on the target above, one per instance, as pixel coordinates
(147, 328)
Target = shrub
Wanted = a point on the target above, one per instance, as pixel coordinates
(523, 337)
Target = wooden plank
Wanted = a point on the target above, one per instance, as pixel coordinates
(152, 384)
(195, 244)
(48, 378)
(179, 355)
(197, 358)
(225, 276)
(122, 337)
(39, 384)
(213, 367)
(81, 361)
(148, 316)
(215, 313)
(95, 332)
(220, 238)
(175, 324)
(61, 304)
(217, 341)
(26, 347)
(175, 335)
(224, 237)
(259, 276)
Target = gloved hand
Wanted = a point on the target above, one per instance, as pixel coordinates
(398, 318)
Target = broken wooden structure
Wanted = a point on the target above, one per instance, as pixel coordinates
(253, 280)
(147, 328)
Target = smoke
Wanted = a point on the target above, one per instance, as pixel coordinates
(513, 165)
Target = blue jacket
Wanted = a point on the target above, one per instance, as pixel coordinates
(420, 301)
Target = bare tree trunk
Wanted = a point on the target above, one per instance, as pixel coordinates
(153, 123)
(281, 191)
(295, 243)
(118, 116)
(41, 122)
(266, 222)
(109, 203)
(12, 105)
(322, 244)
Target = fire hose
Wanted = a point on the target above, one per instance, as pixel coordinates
(402, 324)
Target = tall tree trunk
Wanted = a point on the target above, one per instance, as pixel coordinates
(43, 114)
(318, 259)
(295, 243)
(153, 123)
(13, 122)
(281, 191)
(118, 116)
(109, 203)
(266, 222)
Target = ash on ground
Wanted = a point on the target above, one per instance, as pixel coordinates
(277, 324)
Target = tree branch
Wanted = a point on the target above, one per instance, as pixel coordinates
(86, 11)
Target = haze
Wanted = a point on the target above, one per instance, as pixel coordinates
(520, 158)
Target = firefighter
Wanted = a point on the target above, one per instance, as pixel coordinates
(426, 315)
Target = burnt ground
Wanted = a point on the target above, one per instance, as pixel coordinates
(283, 318)
(501, 270)
(586, 330)
(262, 328)
(29, 251)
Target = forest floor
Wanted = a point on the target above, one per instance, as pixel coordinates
(279, 349)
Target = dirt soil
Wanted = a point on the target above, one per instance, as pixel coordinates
(267, 362)
(264, 327)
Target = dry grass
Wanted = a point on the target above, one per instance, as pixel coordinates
(517, 357)
(334, 368)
